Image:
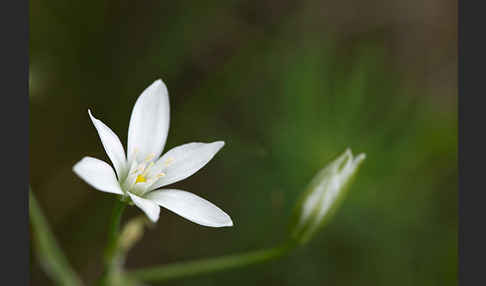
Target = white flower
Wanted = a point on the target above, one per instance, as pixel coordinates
(140, 174)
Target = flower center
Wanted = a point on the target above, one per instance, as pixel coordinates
(143, 175)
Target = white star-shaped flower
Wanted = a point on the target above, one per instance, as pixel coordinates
(140, 175)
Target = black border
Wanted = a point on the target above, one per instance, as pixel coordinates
(472, 191)
(14, 27)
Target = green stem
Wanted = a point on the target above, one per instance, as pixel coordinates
(113, 231)
(112, 259)
(49, 253)
(203, 266)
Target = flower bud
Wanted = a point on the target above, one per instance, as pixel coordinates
(131, 233)
(324, 193)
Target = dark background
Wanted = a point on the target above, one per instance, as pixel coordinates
(287, 85)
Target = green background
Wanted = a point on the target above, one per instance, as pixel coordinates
(288, 85)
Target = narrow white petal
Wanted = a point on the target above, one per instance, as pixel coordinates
(149, 123)
(191, 207)
(183, 161)
(98, 174)
(151, 209)
(112, 145)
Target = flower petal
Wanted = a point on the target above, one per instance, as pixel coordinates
(98, 174)
(151, 209)
(183, 161)
(112, 145)
(191, 207)
(149, 123)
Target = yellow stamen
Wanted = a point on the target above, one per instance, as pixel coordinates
(140, 179)
(138, 169)
(160, 175)
(149, 157)
(147, 168)
(169, 161)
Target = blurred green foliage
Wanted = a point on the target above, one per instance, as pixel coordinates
(287, 93)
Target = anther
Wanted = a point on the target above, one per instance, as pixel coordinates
(168, 161)
(147, 168)
(140, 179)
(149, 157)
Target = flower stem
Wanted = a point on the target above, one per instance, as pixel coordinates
(49, 253)
(112, 259)
(204, 266)
(113, 231)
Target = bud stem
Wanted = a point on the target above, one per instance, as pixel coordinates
(204, 266)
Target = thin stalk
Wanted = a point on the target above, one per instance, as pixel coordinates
(111, 255)
(204, 266)
(113, 231)
(51, 257)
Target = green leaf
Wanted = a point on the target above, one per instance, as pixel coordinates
(51, 257)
